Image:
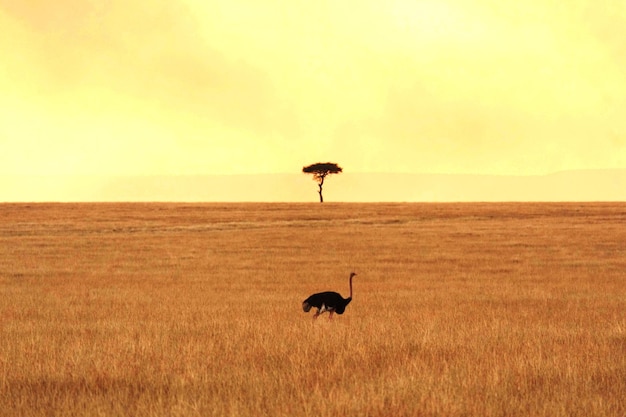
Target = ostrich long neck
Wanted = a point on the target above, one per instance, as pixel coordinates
(350, 297)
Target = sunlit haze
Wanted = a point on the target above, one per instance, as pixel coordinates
(195, 87)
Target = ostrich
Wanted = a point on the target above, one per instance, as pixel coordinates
(328, 301)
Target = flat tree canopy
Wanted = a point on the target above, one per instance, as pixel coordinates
(321, 169)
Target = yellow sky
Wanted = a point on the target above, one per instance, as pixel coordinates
(126, 87)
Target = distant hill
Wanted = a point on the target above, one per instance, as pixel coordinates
(590, 185)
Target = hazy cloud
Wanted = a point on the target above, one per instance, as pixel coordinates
(229, 86)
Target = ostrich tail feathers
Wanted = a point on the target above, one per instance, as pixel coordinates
(306, 307)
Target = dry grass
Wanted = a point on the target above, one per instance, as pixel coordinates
(194, 310)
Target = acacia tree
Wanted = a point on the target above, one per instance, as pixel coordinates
(320, 170)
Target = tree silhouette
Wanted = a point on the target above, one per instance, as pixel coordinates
(320, 170)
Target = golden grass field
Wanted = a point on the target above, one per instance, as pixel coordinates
(195, 310)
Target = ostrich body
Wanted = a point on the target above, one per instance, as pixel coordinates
(328, 301)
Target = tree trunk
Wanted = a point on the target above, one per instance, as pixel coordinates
(321, 183)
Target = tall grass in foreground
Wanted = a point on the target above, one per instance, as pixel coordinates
(194, 310)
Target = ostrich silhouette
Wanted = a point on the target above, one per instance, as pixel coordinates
(328, 301)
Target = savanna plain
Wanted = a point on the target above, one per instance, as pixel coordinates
(195, 309)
